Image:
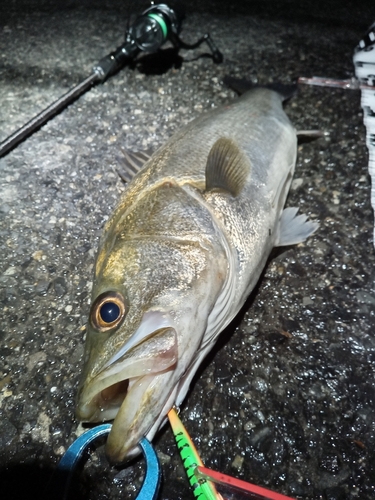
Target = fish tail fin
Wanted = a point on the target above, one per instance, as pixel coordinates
(293, 228)
(241, 85)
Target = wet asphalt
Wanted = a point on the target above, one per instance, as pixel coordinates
(286, 399)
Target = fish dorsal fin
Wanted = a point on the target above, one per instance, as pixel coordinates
(132, 163)
(227, 167)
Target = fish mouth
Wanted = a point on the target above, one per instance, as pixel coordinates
(106, 403)
(134, 390)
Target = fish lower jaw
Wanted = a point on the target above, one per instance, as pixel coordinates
(121, 447)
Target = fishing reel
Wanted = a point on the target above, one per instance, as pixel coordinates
(156, 25)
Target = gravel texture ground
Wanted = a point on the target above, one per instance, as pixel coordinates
(286, 400)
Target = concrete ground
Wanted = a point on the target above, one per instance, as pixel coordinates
(287, 398)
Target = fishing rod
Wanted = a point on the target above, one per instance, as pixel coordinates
(156, 25)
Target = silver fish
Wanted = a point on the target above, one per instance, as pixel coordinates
(178, 258)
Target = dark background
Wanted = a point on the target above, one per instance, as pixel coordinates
(286, 400)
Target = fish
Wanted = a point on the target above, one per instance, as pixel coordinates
(178, 258)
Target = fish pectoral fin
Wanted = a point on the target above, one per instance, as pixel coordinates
(227, 167)
(132, 163)
(293, 228)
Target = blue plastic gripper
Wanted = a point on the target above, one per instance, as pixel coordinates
(76, 451)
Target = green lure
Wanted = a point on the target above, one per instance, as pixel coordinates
(202, 489)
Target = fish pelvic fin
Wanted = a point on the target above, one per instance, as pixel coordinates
(227, 167)
(293, 228)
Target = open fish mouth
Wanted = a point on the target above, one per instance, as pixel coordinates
(106, 404)
(132, 390)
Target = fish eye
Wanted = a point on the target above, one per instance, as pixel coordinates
(108, 311)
